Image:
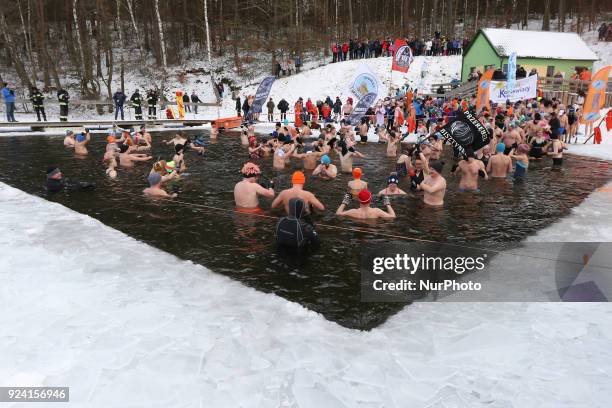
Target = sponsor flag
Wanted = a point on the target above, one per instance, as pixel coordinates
(525, 88)
(596, 95)
(263, 91)
(403, 56)
(363, 82)
(361, 108)
(482, 99)
(180, 105)
(511, 75)
(465, 131)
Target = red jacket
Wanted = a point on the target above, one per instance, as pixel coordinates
(326, 111)
(385, 45)
(345, 47)
(334, 48)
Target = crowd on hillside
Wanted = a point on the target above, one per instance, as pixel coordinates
(604, 32)
(436, 45)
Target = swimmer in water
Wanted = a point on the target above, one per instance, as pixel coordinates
(326, 170)
(365, 211)
(392, 188)
(247, 191)
(434, 185)
(127, 158)
(392, 142)
(56, 182)
(166, 174)
(298, 180)
(346, 155)
(111, 169)
(470, 169)
(499, 165)
(522, 160)
(356, 185)
(556, 150)
(282, 154)
(69, 140)
(179, 158)
(80, 144)
(310, 158)
(155, 189)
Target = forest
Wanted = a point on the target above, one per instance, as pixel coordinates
(42, 40)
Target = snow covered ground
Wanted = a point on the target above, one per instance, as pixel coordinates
(139, 327)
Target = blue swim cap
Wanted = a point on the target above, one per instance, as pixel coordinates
(500, 147)
(80, 137)
(325, 159)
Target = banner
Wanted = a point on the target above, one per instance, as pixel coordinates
(262, 94)
(511, 75)
(525, 88)
(403, 56)
(180, 105)
(465, 131)
(596, 95)
(364, 82)
(482, 99)
(361, 108)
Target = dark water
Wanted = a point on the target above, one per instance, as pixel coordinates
(327, 279)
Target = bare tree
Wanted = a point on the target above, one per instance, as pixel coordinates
(546, 17)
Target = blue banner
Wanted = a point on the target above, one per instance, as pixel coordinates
(361, 108)
(511, 75)
(262, 94)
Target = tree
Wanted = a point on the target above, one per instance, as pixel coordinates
(546, 17)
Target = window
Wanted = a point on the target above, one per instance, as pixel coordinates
(550, 71)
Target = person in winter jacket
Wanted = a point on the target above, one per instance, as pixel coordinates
(345, 49)
(195, 99)
(292, 231)
(9, 101)
(245, 108)
(186, 101)
(270, 106)
(238, 106)
(337, 107)
(119, 99)
(152, 103)
(334, 50)
(38, 103)
(137, 104)
(63, 97)
(326, 112)
(283, 107)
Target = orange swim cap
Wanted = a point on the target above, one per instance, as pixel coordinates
(357, 172)
(110, 139)
(298, 178)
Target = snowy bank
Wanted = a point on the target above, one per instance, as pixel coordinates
(140, 327)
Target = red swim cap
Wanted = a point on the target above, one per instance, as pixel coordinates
(365, 196)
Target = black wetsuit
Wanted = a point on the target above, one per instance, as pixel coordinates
(293, 231)
(53, 185)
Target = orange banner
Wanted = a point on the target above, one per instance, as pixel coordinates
(482, 99)
(596, 96)
(180, 104)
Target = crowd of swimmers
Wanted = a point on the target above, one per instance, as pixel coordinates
(519, 133)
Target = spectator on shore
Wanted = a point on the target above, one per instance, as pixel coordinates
(119, 98)
(9, 101)
(195, 99)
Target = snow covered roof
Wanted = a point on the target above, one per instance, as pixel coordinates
(539, 44)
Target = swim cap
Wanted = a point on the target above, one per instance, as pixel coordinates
(69, 132)
(500, 147)
(325, 159)
(250, 170)
(523, 148)
(357, 173)
(80, 137)
(364, 196)
(170, 166)
(392, 179)
(154, 178)
(111, 139)
(298, 178)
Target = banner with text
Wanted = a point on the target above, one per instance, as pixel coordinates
(364, 82)
(262, 94)
(525, 88)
